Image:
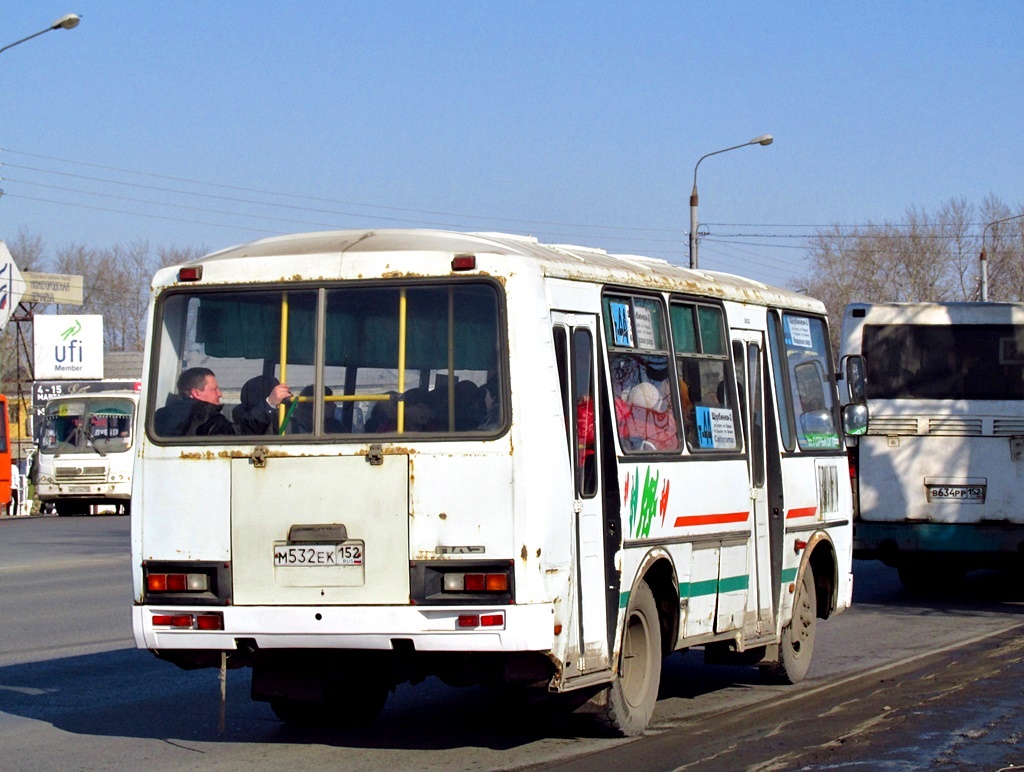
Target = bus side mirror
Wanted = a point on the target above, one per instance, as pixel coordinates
(855, 420)
(855, 376)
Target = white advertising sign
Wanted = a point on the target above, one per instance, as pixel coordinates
(68, 346)
(11, 284)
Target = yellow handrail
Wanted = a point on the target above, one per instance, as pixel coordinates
(401, 358)
(284, 353)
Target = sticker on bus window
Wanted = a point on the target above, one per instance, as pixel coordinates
(644, 328)
(798, 332)
(715, 427)
(622, 328)
(1011, 351)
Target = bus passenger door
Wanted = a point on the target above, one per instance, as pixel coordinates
(750, 374)
(575, 346)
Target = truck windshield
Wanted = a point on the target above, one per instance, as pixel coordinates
(87, 426)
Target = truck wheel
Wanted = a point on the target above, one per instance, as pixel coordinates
(797, 645)
(634, 692)
(72, 508)
(929, 576)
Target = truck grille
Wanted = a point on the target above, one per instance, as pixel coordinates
(80, 474)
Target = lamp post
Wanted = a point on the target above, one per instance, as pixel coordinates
(764, 139)
(983, 257)
(68, 21)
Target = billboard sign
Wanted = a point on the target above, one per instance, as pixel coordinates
(62, 288)
(11, 285)
(68, 346)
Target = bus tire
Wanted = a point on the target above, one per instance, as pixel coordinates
(796, 648)
(634, 692)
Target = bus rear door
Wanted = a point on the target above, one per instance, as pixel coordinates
(576, 348)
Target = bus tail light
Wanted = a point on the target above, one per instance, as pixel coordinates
(178, 582)
(464, 262)
(207, 621)
(213, 621)
(172, 620)
(496, 619)
(460, 582)
(190, 273)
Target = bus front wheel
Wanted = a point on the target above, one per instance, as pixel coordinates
(634, 693)
(797, 645)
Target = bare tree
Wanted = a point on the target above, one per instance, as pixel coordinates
(116, 285)
(28, 250)
(926, 257)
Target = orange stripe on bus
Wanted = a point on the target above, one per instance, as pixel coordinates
(728, 517)
(802, 512)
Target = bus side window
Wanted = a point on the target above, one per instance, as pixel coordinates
(710, 419)
(586, 419)
(643, 394)
(782, 394)
(808, 362)
(561, 339)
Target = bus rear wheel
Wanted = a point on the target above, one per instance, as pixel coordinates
(634, 693)
(797, 645)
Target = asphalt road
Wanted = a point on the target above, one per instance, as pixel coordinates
(897, 683)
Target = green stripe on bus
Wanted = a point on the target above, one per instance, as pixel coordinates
(713, 586)
(707, 587)
(788, 575)
(734, 583)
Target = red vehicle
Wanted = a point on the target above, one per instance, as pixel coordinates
(5, 459)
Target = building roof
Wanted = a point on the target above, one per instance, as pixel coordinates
(122, 365)
(117, 366)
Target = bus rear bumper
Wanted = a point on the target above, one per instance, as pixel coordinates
(891, 542)
(448, 628)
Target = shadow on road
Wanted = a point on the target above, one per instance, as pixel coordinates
(980, 591)
(130, 694)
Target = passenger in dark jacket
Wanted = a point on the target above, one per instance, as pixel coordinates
(196, 409)
(253, 404)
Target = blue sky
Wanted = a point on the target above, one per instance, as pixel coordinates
(575, 122)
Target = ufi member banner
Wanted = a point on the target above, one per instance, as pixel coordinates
(68, 346)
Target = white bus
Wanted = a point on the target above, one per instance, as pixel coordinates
(940, 469)
(507, 463)
(86, 452)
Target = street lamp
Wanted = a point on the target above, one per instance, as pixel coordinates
(983, 257)
(68, 21)
(764, 139)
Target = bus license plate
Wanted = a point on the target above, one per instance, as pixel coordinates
(78, 489)
(956, 493)
(319, 555)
